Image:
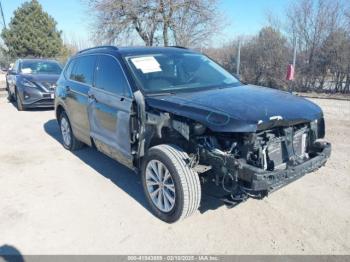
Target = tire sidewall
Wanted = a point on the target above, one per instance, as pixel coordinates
(19, 104)
(9, 95)
(176, 212)
(69, 147)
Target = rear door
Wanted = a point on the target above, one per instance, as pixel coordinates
(81, 73)
(109, 110)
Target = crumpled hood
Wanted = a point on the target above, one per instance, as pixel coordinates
(238, 109)
(51, 78)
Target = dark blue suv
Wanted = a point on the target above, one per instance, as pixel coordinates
(187, 125)
(32, 82)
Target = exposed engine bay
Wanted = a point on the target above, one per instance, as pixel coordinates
(254, 164)
(242, 165)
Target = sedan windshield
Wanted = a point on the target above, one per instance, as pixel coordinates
(40, 67)
(178, 72)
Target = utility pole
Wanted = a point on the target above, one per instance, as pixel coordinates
(238, 57)
(295, 52)
(2, 15)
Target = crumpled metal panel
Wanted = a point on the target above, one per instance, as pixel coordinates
(109, 119)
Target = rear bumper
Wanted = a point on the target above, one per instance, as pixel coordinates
(256, 181)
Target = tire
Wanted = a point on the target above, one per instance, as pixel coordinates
(185, 181)
(20, 106)
(9, 96)
(69, 141)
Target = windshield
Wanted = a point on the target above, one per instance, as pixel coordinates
(40, 67)
(178, 72)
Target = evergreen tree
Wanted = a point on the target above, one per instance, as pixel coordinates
(32, 33)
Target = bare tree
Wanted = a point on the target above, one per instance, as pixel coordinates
(177, 22)
(311, 22)
(195, 21)
(322, 28)
(264, 59)
(121, 18)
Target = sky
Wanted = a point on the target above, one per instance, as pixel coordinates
(244, 17)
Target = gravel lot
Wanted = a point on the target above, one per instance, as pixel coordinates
(56, 202)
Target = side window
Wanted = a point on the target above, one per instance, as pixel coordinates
(84, 69)
(109, 76)
(69, 69)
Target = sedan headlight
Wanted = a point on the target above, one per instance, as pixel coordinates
(28, 83)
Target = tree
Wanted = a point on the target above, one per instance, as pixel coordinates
(170, 22)
(194, 22)
(335, 59)
(311, 22)
(322, 28)
(32, 32)
(264, 59)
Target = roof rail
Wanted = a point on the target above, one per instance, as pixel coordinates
(98, 47)
(178, 46)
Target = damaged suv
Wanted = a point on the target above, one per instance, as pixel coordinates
(185, 124)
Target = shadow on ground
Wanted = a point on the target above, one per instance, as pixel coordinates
(121, 176)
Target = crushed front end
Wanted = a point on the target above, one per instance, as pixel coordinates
(246, 165)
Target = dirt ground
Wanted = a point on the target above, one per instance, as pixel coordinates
(56, 202)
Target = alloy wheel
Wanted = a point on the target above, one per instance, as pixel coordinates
(160, 185)
(65, 130)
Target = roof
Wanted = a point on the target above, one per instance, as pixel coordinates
(127, 51)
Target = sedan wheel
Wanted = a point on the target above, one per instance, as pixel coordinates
(20, 106)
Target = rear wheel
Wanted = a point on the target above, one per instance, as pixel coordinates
(70, 142)
(171, 187)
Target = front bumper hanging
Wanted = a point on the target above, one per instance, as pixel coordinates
(261, 180)
(251, 181)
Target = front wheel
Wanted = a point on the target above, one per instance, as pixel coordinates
(171, 187)
(20, 106)
(9, 95)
